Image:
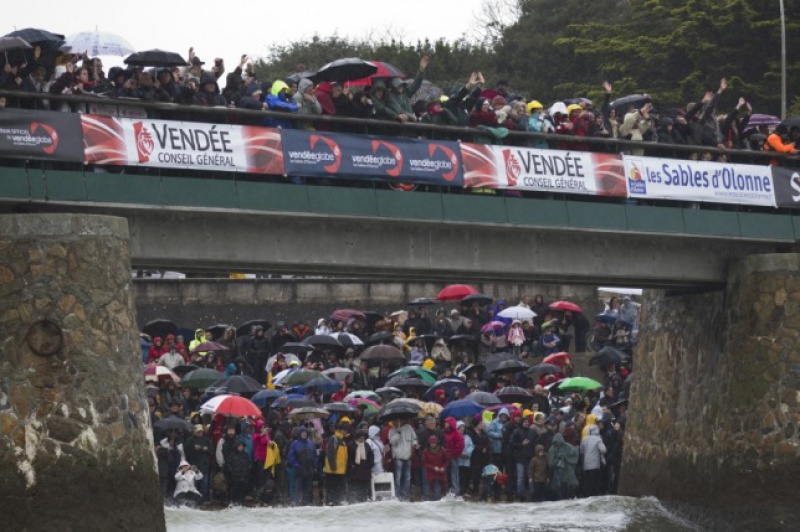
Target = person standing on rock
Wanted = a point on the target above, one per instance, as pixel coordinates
(562, 458)
(185, 483)
(593, 452)
(239, 466)
(198, 452)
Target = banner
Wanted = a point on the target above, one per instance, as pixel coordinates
(654, 178)
(787, 187)
(321, 154)
(186, 145)
(536, 170)
(40, 135)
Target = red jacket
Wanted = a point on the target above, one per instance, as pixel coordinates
(260, 442)
(431, 460)
(453, 439)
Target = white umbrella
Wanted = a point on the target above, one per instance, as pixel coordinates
(517, 313)
(363, 394)
(289, 357)
(99, 43)
(340, 374)
(343, 338)
(282, 375)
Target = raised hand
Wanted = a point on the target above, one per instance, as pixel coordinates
(607, 87)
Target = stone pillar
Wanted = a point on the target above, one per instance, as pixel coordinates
(76, 449)
(715, 400)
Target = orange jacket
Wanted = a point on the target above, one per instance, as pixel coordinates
(775, 143)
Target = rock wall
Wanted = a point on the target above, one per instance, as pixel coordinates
(202, 302)
(715, 400)
(76, 449)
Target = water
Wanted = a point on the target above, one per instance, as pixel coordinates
(601, 514)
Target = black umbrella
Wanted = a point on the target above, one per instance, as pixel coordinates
(323, 341)
(545, 369)
(372, 318)
(382, 352)
(513, 394)
(379, 338)
(388, 393)
(217, 330)
(398, 410)
(297, 76)
(509, 366)
(635, 100)
(296, 348)
(183, 370)
(159, 328)
(348, 340)
(422, 301)
(480, 298)
(348, 69)
(340, 408)
(39, 37)
(236, 384)
(484, 398)
(173, 423)
(155, 58)
(13, 43)
(244, 329)
(461, 338)
(792, 121)
(407, 382)
(493, 360)
(299, 403)
(607, 356)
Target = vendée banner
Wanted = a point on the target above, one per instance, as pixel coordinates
(653, 178)
(172, 144)
(323, 154)
(538, 170)
(40, 135)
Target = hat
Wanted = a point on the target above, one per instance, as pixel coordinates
(454, 312)
(499, 100)
(573, 107)
(433, 440)
(538, 418)
(534, 104)
(294, 363)
(196, 61)
(345, 419)
(184, 463)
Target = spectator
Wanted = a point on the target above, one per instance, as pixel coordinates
(399, 99)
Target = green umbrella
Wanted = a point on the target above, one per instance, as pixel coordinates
(414, 371)
(576, 384)
(201, 378)
(300, 377)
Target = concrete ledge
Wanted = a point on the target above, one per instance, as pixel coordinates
(43, 225)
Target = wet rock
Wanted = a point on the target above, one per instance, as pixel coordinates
(65, 430)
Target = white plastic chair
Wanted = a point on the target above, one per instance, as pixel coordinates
(382, 486)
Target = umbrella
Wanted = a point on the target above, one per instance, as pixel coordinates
(230, 405)
(448, 385)
(204, 347)
(202, 378)
(430, 409)
(347, 339)
(160, 373)
(426, 91)
(155, 58)
(266, 396)
(159, 328)
(389, 392)
(183, 370)
(461, 338)
(324, 385)
(468, 369)
(578, 384)
(510, 366)
(559, 359)
(348, 313)
(455, 292)
(422, 301)
(291, 349)
(172, 423)
(517, 313)
(511, 408)
(494, 359)
(407, 382)
(294, 400)
(494, 327)
(484, 398)
(608, 319)
(566, 305)
(340, 408)
(429, 339)
(398, 410)
(406, 400)
(340, 374)
(323, 341)
(383, 70)
(607, 356)
(757, 120)
(367, 404)
(513, 394)
(300, 376)
(379, 338)
(244, 328)
(309, 412)
(236, 384)
(288, 357)
(346, 69)
(297, 76)
(788, 123)
(546, 369)
(217, 330)
(481, 299)
(382, 352)
(415, 371)
(36, 36)
(635, 100)
(363, 394)
(13, 43)
(461, 409)
(99, 43)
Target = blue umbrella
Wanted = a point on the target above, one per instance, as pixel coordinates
(448, 385)
(608, 319)
(265, 396)
(461, 409)
(323, 385)
(281, 401)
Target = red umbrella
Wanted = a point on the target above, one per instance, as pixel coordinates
(230, 405)
(385, 70)
(345, 314)
(559, 359)
(566, 305)
(456, 292)
(494, 327)
(160, 373)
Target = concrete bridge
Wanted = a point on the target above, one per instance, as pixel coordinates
(234, 223)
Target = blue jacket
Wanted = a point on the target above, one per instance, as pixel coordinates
(495, 432)
(302, 456)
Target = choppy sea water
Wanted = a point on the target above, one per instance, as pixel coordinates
(600, 514)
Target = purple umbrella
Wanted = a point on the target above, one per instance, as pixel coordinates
(494, 327)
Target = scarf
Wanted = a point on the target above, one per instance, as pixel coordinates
(361, 453)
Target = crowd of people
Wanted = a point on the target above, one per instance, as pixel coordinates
(487, 418)
(497, 109)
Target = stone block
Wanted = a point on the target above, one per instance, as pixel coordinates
(65, 430)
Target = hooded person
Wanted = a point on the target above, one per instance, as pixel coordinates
(522, 444)
(538, 473)
(399, 98)
(335, 466)
(185, 487)
(434, 464)
(302, 459)
(437, 114)
(593, 452)
(279, 99)
(156, 350)
(208, 93)
(562, 459)
(239, 467)
(305, 99)
(199, 338)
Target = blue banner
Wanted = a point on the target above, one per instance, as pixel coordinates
(322, 154)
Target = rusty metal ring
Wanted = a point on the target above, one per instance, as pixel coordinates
(45, 337)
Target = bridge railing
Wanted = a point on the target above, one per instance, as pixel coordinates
(225, 115)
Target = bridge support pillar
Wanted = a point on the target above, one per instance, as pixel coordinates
(714, 415)
(76, 449)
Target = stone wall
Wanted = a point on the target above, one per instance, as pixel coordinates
(203, 302)
(76, 449)
(715, 400)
